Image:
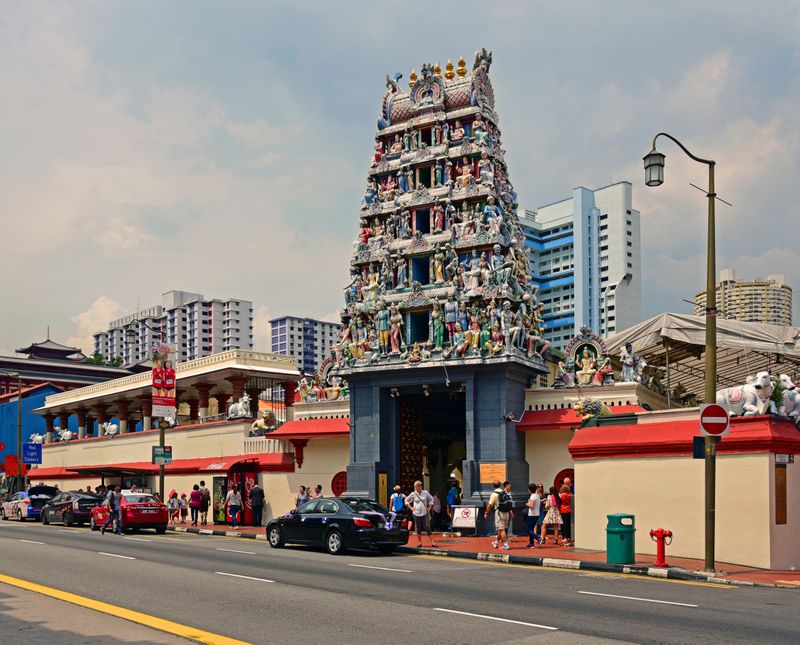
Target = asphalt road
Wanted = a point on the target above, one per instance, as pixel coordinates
(246, 590)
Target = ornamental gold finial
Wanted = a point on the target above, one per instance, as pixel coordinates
(462, 67)
(413, 78)
(449, 73)
(437, 70)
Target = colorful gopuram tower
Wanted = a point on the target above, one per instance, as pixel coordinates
(441, 330)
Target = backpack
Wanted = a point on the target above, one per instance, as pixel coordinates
(398, 502)
(504, 502)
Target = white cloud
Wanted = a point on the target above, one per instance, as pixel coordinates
(94, 319)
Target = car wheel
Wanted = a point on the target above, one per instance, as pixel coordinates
(19, 516)
(161, 529)
(275, 537)
(68, 521)
(45, 519)
(92, 525)
(334, 543)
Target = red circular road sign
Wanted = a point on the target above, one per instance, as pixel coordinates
(714, 420)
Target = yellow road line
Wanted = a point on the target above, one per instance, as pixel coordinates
(582, 571)
(161, 624)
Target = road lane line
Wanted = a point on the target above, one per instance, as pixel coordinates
(502, 620)
(236, 575)
(237, 551)
(32, 541)
(161, 624)
(70, 531)
(366, 566)
(137, 539)
(660, 602)
(116, 555)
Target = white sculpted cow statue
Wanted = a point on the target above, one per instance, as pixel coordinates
(240, 409)
(37, 438)
(751, 398)
(790, 405)
(110, 429)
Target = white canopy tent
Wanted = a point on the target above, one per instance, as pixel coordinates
(674, 345)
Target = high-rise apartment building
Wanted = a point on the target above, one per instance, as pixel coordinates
(187, 321)
(586, 260)
(309, 341)
(764, 301)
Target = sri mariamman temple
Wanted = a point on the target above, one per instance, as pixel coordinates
(441, 329)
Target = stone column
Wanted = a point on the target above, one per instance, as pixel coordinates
(237, 383)
(81, 423)
(147, 412)
(193, 407)
(63, 420)
(48, 434)
(89, 429)
(101, 414)
(289, 389)
(254, 393)
(203, 390)
(222, 402)
(122, 412)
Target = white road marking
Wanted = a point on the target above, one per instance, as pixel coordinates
(31, 541)
(70, 531)
(366, 566)
(504, 620)
(137, 539)
(236, 575)
(660, 602)
(116, 555)
(237, 551)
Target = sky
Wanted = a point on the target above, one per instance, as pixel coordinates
(222, 148)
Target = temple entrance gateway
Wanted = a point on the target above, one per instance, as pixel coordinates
(432, 438)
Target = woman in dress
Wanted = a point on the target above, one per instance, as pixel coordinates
(553, 515)
(566, 513)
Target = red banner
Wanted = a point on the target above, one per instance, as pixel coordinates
(11, 466)
(163, 383)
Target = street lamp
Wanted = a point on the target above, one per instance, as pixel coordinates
(133, 327)
(20, 481)
(654, 176)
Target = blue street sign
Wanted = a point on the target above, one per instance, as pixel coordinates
(31, 453)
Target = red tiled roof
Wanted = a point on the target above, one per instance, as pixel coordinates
(563, 418)
(674, 438)
(312, 429)
(25, 390)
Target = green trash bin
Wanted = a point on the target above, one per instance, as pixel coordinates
(620, 539)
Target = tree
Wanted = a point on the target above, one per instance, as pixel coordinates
(96, 359)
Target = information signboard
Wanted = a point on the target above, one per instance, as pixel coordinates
(162, 456)
(464, 517)
(31, 453)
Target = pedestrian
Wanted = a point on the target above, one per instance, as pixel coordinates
(553, 515)
(195, 499)
(133, 488)
(420, 503)
(317, 494)
(453, 498)
(89, 490)
(205, 502)
(542, 509)
(302, 497)
(437, 511)
(566, 513)
(500, 500)
(184, 508)
(174, 505)
(257, 503)
(532, 516)
(113, 500)
(233, 501)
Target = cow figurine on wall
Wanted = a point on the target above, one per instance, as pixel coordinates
(790, 404)
(240, 409)
(754, 397)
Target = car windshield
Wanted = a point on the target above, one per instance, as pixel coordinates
(368, 505)
(139, 498)
(84, 495)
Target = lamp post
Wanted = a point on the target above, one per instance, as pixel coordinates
(20, 480)
(654, 176)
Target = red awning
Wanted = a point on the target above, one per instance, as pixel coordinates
(312, 429)
(563, 418)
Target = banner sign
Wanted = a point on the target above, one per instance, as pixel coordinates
(162, 456)
(465, 517)
(163, 384)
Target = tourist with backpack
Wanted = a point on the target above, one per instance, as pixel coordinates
(553, 515)
(502, 503)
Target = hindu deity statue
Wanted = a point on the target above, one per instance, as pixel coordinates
(396, 330)
(457, 133)
(465, 174)
(438, 264)
(630, 361)
(397, 145)
(437, 134)
(382, 324)
(401, 269)
(486, 169)
(479, 130)
(604, 371)
(451, 316)
(588, 367)
(438, 217)
(496, 342)
(376, 159)
(407, 138)
(459, 344)
(437, 324)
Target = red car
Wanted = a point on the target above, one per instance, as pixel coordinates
(139, 511)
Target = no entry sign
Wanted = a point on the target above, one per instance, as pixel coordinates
(714, 421)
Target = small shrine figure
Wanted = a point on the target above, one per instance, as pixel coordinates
(459, 344)
(500, 268)
(365, 232)
(437, 324)
(507, 322)
(407, 139)
(382, 324)
(451, 316)
(604, 371)
(588, 367)
(438, 264)
(360, 342)
(437, 134)
(402, 181)
(496, 342)
(458, 132)
(465, 174)
(437, 174)
(376, 159)
(486, 169)
(396, 330)
(479, 130)
(445, 132)
(401, 269)
(405, 225)
(463, 317)
(630, 362)
(397, 145)
(448, 171)
(410, 178)
(438, 217)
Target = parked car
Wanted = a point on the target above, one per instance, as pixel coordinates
(27, 504)
(70, 508)
(139, 511)
(339, 524)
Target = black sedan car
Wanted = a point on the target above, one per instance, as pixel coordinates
(70, 508)
(339, 524)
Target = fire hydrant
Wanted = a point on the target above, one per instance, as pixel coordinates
(660, 536)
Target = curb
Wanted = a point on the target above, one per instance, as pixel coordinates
(217, 532)
(589, 565)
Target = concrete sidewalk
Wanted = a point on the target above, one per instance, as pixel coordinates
(560, 557)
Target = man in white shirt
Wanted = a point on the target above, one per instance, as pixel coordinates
(532, 508)
(420, 502)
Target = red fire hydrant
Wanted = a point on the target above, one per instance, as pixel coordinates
(660, 536)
